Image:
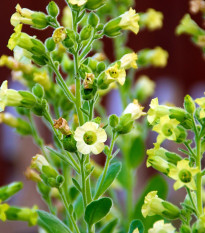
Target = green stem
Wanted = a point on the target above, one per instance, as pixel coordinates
(83, 182)
(192, 200)
(61, 191)
(78, 90)
(62, 82)
(108, 159)
(91, 110)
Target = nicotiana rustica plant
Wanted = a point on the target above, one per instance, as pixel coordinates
(66, 77)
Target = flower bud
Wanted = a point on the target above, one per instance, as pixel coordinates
(43, 79)
(92, 63)
(44, 190)
(53, 9)
(50, 44)
(189, 104)
(3, 208)
(113, 120)
(94, 4)
(9, 190)
(125, 124)
(38, 91)
(144, 88)
(129, 61)
(68, 42)
(31, 174)
(67, 17)
(85, 33)
(75, 4)
(100, 67)
(89, 93)
(23, 214)
(153, 205)
(69, 143)
(93, 19)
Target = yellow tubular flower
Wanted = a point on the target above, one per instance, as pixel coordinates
(3, 208)
(115, 73)
(67, 17)
(38, 162)
(8, 119)
(90, 138)
(129, 21)
(135, 109)
(43, 79)
(167, 129)
(152, 204)
(156, 111)
(8, 97)
(184, 175)
(152, 19)
(77, 2)
(158, 57)
(201, 103)
(162, 227)
(129, 61)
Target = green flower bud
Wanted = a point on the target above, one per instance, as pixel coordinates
(181, 135)
(69, 143)
(101, 81)
(94, 4)
(185, 229)
(38, 91)
(93, 19)
(44, 190)
(53, 9)
(189, 104)
(125, 124)
(50, 44)
(97, 120)
(100, 27)
(92, 63)
(8, 191)
(60, 180)
(23, 214)
(68, 42)
(113, 120)
(85, 33)
(101, 67)
(22, 111)
(89, 94)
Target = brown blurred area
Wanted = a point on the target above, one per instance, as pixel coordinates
(184, 74)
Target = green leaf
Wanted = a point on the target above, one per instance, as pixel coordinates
(136, 224)
(112, 173)
(97, 210)
(51, 223)
(110, 227)
(137, 152)
(159, 184)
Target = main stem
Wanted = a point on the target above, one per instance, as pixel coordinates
(199, 177)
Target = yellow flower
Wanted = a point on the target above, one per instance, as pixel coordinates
(153, 205)
(184, 175)
(158, 57)
(43, 79)
(77, 2)
(90, 138)
(26, 16)
(135, 109)
(167, 129)
(9, 119)
(156, 111)
(129, 61)
(136, 230)
(59, 35)
(152, 19)
(188, 26)
(115, 73)
(144, 87)
(161, 227)
(9, 97)
(38, 162)
(67, 17)
(3, 208)
(129, 21)
(201, 103)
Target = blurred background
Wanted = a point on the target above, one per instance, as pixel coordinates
(184, 74)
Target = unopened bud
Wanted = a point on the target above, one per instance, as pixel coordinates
(113, 120)
(189, 104)
(93, 19)
(69, 143)
(53, 9)
(85, 33)
(50, 44)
